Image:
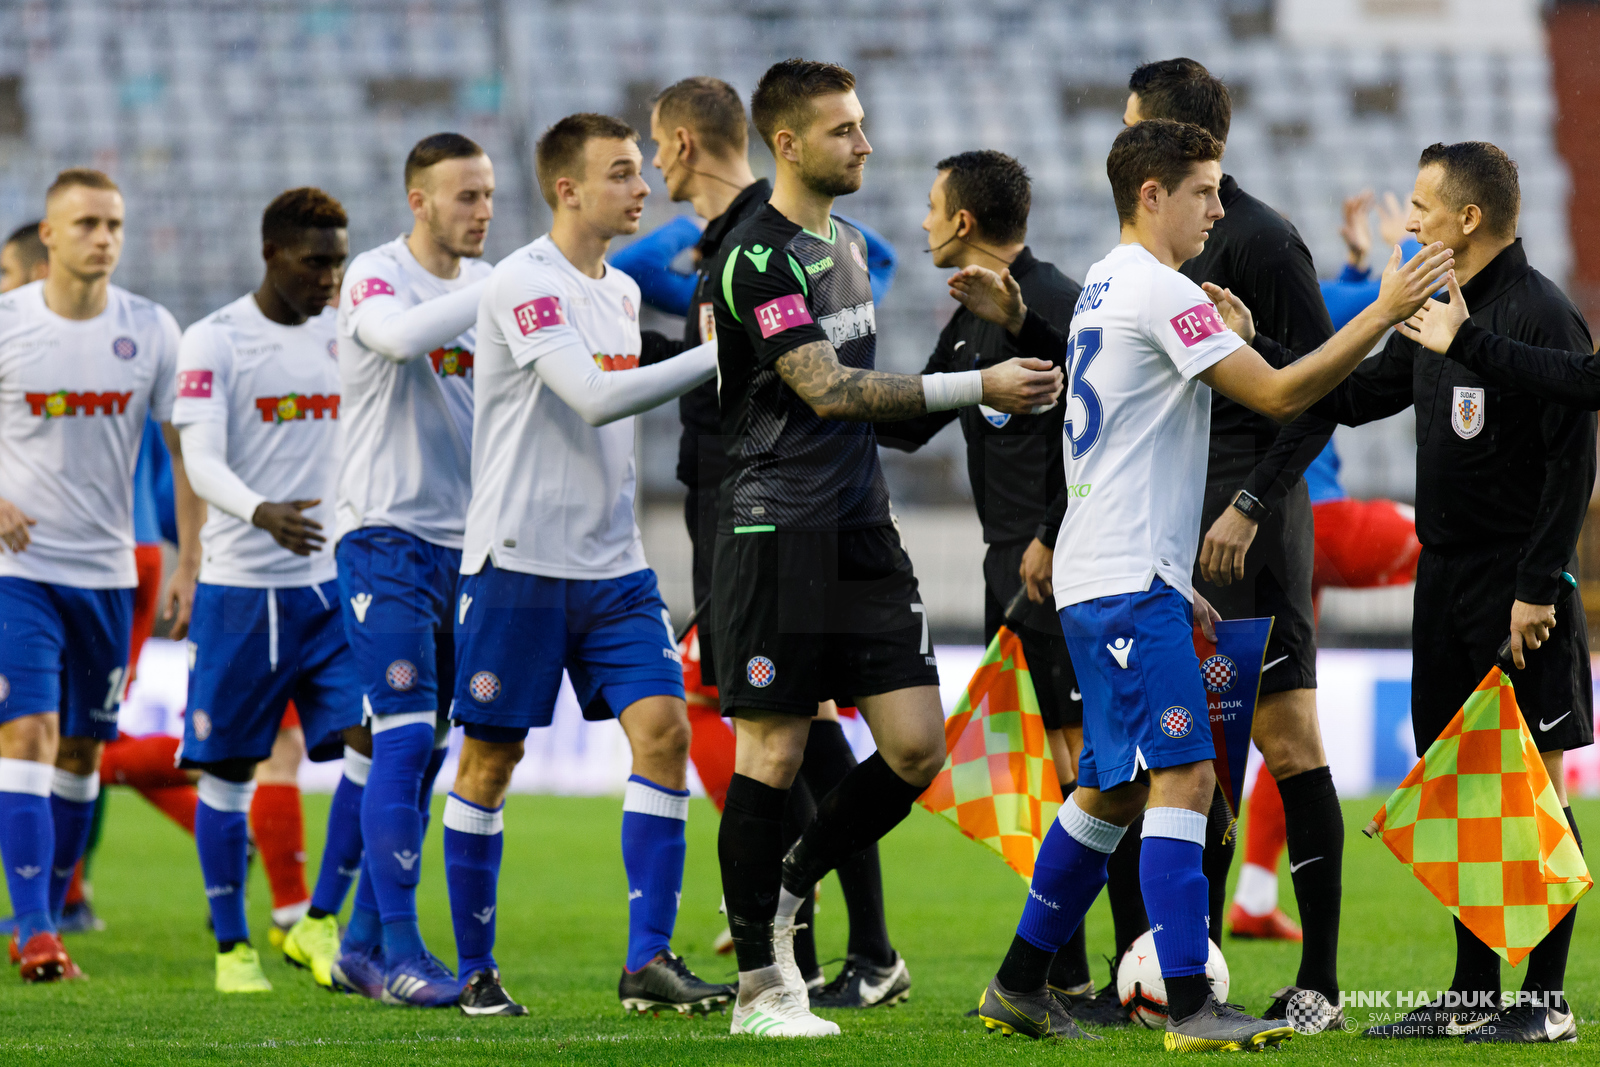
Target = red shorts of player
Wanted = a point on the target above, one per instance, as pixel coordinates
(1364, 543)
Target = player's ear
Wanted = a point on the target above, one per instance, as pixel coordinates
(1150, 194)
(268, 250)
(416, 198)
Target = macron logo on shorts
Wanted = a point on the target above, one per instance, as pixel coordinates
(369, 287)
(195, 383)
(538, 313)
(778, 315)
(1198, 323)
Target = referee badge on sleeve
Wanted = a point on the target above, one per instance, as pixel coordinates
(1466, 412)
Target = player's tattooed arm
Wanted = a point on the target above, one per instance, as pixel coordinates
(835, 391)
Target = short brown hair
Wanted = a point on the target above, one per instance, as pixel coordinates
(711, 108)
(1155, 148)
(436, 149)
(306, 208)
(1184, 91)
(559, 153)
(30, 250)
(782, 100)
(87, 177)
(994, 187)
(1477, 172)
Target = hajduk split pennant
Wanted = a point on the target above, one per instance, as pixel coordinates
(1230, 671)
(1478, 822)
(998, 784)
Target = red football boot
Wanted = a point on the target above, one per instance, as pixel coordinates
(1273, 926)
(16, 950)
(45, 959)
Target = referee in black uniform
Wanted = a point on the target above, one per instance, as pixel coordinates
(978, 213)
(1503, 486)
(1256, 556)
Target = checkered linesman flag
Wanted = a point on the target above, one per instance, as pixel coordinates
(998, 785)
(1477, 821)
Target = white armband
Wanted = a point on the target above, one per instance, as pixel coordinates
(941, 392)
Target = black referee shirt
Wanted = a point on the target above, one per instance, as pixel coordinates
(1258, 254)
(1015, 461)
(1495, 465)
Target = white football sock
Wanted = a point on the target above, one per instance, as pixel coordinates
(1257, 891)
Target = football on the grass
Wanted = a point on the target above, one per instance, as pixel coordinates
(1144, 994)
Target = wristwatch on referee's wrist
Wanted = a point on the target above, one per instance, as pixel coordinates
(1248, 506)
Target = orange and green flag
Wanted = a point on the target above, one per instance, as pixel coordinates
(998, 785)
(1478, 823)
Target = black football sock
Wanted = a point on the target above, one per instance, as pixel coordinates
(871, 801)
(1071, 966)
(1547, 963)
(828, 759)
(1126, 894)
(1186, 995)
(1221, 839)
(1477, 976)
(798, 813)
(750, 851)
(1025, 967)
(1314, 826)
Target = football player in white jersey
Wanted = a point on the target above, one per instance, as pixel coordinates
(406, 318)
(1147, 346)
(81, 363)
(554, 571)
(258, 409)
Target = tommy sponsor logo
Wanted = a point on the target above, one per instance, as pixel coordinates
(1176, 722)
(362, 601)
(64, 403)
(760, 671)
(1466, 412)
(850, 323)
(454, 360)
(369, 287)
(485, 915)
(124, 348)
(778, 315)
(484, 687)
(281, 409)
(624, 362)
(195, 383)
(1198, 323)
(407, 859)
(1218, 674)
(1119, 650)
(538, 313)
(401, 675)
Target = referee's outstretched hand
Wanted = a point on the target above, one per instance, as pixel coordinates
(1435, 324)
(1407, 286)
(995, 298)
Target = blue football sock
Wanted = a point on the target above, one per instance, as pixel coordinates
(365, 931)
(1175, 888)
(1068, 874)
(27, 842)
(72, 798)
(653, 847)
(391, 826)
(222, 837)
(473, 840)
(341, 852)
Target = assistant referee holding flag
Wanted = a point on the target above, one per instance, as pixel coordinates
(1503, 486)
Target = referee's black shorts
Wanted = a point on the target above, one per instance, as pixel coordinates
(700, 516)
(803, 616)
(1277, 582)
(1055, 683)
(1462, 615)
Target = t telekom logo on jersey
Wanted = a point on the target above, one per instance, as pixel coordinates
(1198, 323)
(366, 287)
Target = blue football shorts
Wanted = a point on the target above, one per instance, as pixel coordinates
(64, 650)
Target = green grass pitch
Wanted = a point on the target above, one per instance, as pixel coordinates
(952, 909)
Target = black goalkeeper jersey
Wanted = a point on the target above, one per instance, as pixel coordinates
(780, 287)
